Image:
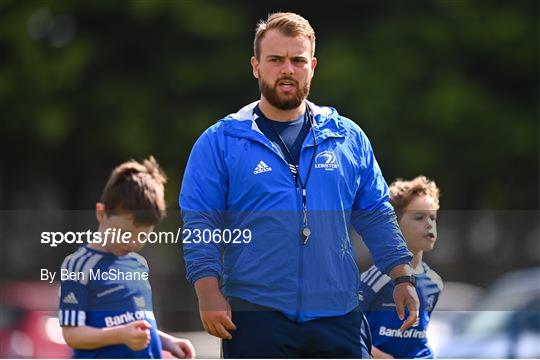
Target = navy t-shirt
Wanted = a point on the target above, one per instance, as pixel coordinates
(292, 132)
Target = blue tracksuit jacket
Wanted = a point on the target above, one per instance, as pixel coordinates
(237, 179)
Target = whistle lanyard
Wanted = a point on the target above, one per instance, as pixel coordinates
(306, 231)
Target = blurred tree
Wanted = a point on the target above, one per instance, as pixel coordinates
(444, 88)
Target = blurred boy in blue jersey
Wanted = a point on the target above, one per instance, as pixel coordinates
(416, 203)
(106, 308)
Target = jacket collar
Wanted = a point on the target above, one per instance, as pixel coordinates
(327, 124)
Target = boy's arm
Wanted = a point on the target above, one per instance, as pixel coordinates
(180, 348)
(135, 335)
(379, 354)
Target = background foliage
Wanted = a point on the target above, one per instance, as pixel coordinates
(444, 88)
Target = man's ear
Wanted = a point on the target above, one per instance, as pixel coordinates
(313, 65)
(100, 212)
(255, 67)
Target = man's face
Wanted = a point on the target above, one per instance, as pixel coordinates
(284, 69)
(419, 224)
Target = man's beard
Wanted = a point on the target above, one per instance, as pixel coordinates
(281, 102)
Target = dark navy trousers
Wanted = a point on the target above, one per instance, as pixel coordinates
(266, 333)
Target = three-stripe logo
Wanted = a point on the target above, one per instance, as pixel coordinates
(70, 299)
(261, 168)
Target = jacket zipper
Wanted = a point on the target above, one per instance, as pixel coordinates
(299, 209)
(300, 263)
(302, 244)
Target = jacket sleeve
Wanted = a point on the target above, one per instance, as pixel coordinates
(373, 216)
(202, 203)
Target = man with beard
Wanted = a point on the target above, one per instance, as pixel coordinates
(288, 177)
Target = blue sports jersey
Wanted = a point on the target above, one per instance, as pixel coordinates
(105, 291)
(377, 301)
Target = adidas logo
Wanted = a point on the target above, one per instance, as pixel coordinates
(70, 299)
(262, 168)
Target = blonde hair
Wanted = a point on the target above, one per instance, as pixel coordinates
(289, 24)
(402, 192)
(138, 189)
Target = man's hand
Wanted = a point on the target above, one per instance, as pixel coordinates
(136, 335)
(405, 296)
(180, 348)
(215, 311)
(216, 322)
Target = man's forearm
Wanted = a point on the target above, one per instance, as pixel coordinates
(381, 234)
(207, 287)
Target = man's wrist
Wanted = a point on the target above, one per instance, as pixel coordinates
(404, 279)
(207, 290)
(401, 270)
(205, 273)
